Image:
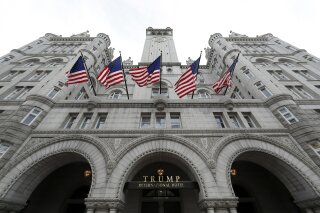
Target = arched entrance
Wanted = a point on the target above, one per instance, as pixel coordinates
(161, 184)
(62, 191)
(259, 190)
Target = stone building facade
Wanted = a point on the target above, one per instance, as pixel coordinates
(255, 149)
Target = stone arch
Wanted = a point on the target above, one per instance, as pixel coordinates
(26, 174)
(262, 60)
(302, 181)
(32, 59)
(130, 156)
(287, 60)
(57, 60)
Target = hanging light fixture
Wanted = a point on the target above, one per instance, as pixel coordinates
(87, 173)
(233, 172)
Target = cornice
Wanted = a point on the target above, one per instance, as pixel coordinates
(246, 39)
(311, 203)
(42, 99)
(138, 132)
(71, 39)
(218, 203)
(10, 206)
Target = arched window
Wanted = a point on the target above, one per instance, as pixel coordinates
(156, 89)
(203, 94)
(115, 94)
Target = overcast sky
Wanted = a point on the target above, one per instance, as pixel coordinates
(125, 21)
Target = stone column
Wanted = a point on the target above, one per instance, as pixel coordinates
(210, 210)
(115, 205)
(233, 210)
(90, 210)
(308, 210)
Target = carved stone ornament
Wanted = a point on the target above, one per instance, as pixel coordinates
(101, 203)
(218, 203)
(229, 104)
(160, 104)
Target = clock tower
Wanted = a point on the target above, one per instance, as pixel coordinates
(158, 40)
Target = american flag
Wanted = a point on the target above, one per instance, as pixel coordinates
(78, 73)
(147, 75)
(112, 74)
(187, 82)
(225, 81)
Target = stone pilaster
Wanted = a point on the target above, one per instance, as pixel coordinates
(101, 205)
(216, 205)
(310, 206)
(10, 207)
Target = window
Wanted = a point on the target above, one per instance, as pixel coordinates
(156, 91)
(203, 94)
(252, 123)
(18, 93)
(175, 120)
(160, 120)
(11, 75)
(278, 74)
(287, 115)
(145, 121)
(39, 75)
(82, 94)
(306, 74)
(315, 145)
(263, 89)
(219, 120)
(299, 92)
(200, 78)
(53, 92)
(237, 94)
(248, 74)
(3, 149)
(101, 121)
(70, 120)
(116, 94)
(86, 121)
(234, 120)
(31, 116)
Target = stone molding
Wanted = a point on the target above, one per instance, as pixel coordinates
(102, 203)
(91, 54)
(10, 206)
(311, 203)
(245, 136)
(42, 99)
(218, 203)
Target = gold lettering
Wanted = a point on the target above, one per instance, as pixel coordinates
(177, 178)
(169, 179)
(145, 178)
(152, 179)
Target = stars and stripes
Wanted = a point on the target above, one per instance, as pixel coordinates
(112, 74)
(187, 82)
(78, 73)
(225, 81)
(147, 75)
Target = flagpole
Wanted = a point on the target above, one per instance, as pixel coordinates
(160, 70)
(124, 76)
(225, 92)
(197, 72)
(94, 91)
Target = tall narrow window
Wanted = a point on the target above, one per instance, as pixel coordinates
(53, 92)
(252, 123)
(3, 149)
(315, 145)
(175, 120)
(86, 121)
(145, 120)
(23, 93)
(70, 120)
(82, 94)
(203, 94)
(263, 89)
(116, 94)
(101, 121)
(11, 75)
(31, 116)
(234, 120)
(287, 115)
(160, 120)
(39, 75)
(219, 120)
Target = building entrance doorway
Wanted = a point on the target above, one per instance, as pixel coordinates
(161, 193)
(259, 191)
(62, 191)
